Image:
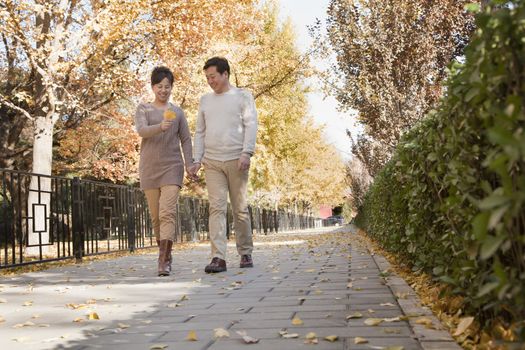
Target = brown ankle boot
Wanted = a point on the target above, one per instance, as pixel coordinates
(165, 257)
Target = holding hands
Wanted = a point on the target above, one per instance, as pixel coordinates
(192, 171)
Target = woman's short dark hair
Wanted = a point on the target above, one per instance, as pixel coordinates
(159, 73)
(220, 63)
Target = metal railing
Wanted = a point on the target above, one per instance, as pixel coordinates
(48, 218)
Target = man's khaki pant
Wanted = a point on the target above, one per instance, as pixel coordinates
(162, 203)
(223, 178)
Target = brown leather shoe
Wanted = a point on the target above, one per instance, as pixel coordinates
(165, 257)
(216, 265)
(246, 261)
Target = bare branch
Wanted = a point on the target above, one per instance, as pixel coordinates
(11, 105)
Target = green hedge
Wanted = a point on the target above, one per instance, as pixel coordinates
(450, 201)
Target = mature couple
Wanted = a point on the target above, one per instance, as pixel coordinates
(223, 144)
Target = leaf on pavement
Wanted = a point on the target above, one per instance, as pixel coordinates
(290, 335)
(311, 338)
(93, 316)
(296, 321)
(387, 304)
(158, 347)
(25, 324)
(349, 285)
(78, 320)
(463, 325)
(247, 339)
(2, 301)
(425, 321)
(192, 336)
(123, 326)
(373, 321)
(331, 338)
(360, 340)
(354, 315)
(27, 303)
(220, 333)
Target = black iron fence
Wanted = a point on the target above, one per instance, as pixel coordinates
(46, 218)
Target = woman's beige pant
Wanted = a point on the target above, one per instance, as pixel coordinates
(162, 203)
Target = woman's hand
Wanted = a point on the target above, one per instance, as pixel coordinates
(165, 125)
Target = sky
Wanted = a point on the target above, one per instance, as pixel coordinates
(323, 109)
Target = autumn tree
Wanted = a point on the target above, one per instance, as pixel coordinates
(71, 58)
(294, 164)
(177, 34)
(391, 63)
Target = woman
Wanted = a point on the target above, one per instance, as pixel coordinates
(163, 128)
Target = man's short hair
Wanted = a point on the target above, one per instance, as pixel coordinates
(159, 73)
(220, 63)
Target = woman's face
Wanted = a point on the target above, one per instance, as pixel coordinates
(162, 90)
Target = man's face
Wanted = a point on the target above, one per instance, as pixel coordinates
(217, 81)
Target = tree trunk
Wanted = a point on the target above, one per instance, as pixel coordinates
(38, 203)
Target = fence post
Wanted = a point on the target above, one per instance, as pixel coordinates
(76, 213)
(192, 219)
(130, 208)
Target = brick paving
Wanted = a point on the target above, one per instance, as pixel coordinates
(319, 277)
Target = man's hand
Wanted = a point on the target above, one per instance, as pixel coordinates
(192, 171)
(244, 162)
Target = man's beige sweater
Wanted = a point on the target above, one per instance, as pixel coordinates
(226, 126)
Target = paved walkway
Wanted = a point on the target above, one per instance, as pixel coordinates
(320, 282)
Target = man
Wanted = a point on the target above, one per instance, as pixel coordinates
(224, 142)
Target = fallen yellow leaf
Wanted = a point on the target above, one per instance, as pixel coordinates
(27, 303)
(158, 347)
(93, 316)
(221, 333)
(78, 319)
(463, 325)
(192, 336)
(373, 321)
(247, 339)
(290, 335)
(360, 340)
(354, 315)
(123, 325)
(25, 324)
(296, 321)
(424, 320)
(311, 338)
(331, 338)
